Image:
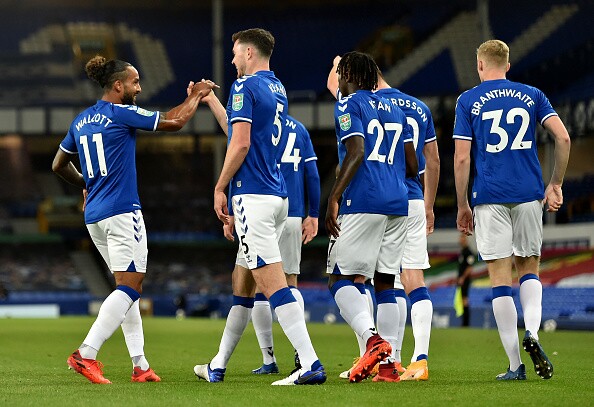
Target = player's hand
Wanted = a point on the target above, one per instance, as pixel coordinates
(464, 220)
(204, 87)
(336, 60)
(332, 226)
(553, 197)
(430, 216)
(228, 230)
(207, 98)
(85, 194)
(220, 206)
(309, 229)
(190, 87)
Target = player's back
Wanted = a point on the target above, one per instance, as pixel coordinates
(295, 149)
(260, 100)
(378, 186)
(500, 118)
(419, 117)
(104, 136)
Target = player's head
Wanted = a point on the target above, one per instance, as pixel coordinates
(251, 46)
(115, 76)
(357, 70)
(492, 58)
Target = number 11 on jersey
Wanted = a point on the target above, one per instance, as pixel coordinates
(98, 141)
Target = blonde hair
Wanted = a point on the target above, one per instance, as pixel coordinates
(494, 52)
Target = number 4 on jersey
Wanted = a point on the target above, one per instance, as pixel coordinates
(291, 155)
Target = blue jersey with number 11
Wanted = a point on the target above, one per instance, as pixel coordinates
(499, 117)
(379, 184)
(104, 137)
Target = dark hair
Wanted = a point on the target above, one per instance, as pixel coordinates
(359, 68)
(261, 39)
(105, 72)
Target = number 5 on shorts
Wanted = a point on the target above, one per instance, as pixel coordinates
(246, 248)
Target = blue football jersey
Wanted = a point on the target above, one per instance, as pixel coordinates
(420, 120)
(499, 117)
(261, 100)
(379, 184)
(295, 149)
(104, 137)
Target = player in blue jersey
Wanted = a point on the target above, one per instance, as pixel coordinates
(368, 227)
(420, 223)
(297, 161)
(256, 112)
(496, 125)
(104, 137)
(421, 198)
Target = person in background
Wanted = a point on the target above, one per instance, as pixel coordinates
(466, 259)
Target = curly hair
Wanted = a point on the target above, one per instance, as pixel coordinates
(105, 72)
(359, 68)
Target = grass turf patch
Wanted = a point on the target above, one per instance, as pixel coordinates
(463, 364)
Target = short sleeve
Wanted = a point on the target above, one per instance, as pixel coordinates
(462, 125)
(136, 117)
(68, 145)
(430, 132)
(241, 101)
(308, 152)
(407, 131)
(347, 120)
(544, 110)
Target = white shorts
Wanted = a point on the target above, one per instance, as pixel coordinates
(259, 222)
(121, 240)
(506, 229)
(415, 255)
(397, 283)
(290, 245)
(367, 243)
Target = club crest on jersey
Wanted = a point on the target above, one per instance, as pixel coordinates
(237, 101)
(345, 121)
(144, 112)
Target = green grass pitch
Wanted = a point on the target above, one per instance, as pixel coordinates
(462, 364)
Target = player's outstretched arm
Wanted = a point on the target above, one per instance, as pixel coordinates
(217, 109)
(553, 193)
(461, 176)
(431, 180)
(332, 82)
(177, 117)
